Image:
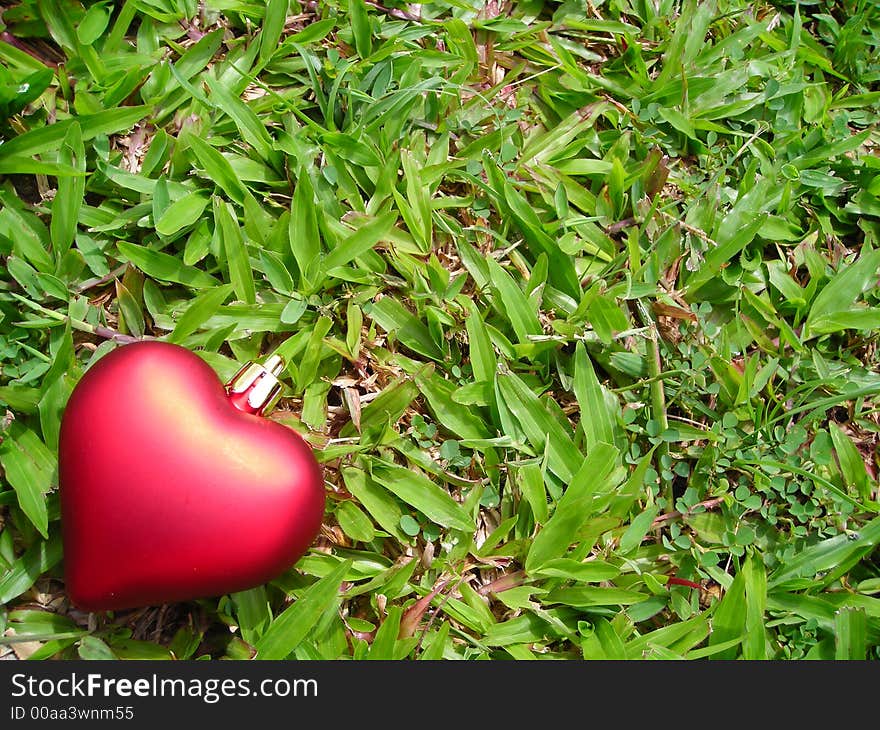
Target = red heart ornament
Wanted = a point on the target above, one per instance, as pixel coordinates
(172, 488)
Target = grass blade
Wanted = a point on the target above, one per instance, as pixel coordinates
(851, 634)
(69, 198)
(233, 246)
(164, 267)
(289, 629)
(420, 492)
(839, 294)
(31, 470)
(573, 508)
(198, 312)
(540, 427)
(755, 579)
(596, 417)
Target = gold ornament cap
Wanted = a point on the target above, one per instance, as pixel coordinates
(256, 388)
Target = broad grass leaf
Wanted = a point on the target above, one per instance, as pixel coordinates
(463, 422)
(40, 557)
(512, 304)
(637, 530)
(360, 27)
(314, 408)
(478, 604)
(808, 607)
(484, 363)
(354, 522)
(543, 146)
(481, 393)
(573, 508)
(314, 353)
(420, 492)
(53, 286)
(30, 468)
(264, 317)
(584, 167)
(588, 596)
(497, 535)
(783, 281)
(294, 624)
(92, 648)
(626, 496)
(851, 634)
(754, 644)
(280, 278)
(30, 88)
(54, 397)
(540, 426)
(126, 648)
(838, 553)
(729, 617)
(839, 294)
(293, 310)
(93, 24)
(607, 318)
(198, 312)
(354, 320)
(382, 506)
(562, 274)
(597, 418)
(217, 169)
(525, 629)
(161, 198)
(530, 479)
(198, 244)
(460, 41)
(415, 207)
(248, 123)
(57, 384)
(27, 239)
(198, 55)
(313, 32)
(852, 467)
(707, 651)
(272, 27)
(253, 612)
(27, 621)
(305, 238)
(165, 267)
(678, 637)
(591, 571)
(823, 153)
(435, 646)
(181, 213)
(234, 249)
(48, 138)
(15, 165)
(360, 241)
(385, 642)
(460, 611)
(603, 642)
(866, 319)
(392, 316)
(69, 196)
(25, 275)
(20, 398)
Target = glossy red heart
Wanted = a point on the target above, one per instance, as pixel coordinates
(169, 491)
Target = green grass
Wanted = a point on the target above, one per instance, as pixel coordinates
(581, 311)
